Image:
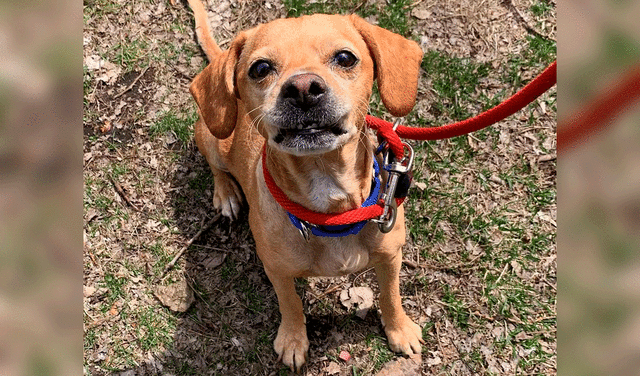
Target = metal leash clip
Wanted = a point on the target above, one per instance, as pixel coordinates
(305, 229)
(397, 170)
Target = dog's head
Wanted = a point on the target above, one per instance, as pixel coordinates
(306, 82)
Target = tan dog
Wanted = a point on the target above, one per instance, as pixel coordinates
(303, 86)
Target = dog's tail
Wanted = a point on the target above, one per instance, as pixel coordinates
(203, 30)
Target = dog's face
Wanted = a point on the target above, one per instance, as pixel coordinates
(305, 83)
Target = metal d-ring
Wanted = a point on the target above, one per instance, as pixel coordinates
(386, 223)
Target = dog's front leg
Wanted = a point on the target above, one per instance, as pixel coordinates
(403, 334)
(291, 343)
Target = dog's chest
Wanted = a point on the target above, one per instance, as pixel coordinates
(337, 256)
(324, 191)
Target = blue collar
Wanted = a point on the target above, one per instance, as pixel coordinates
(341, 230)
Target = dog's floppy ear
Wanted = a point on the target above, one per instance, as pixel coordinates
(397, 65)
(214, 90)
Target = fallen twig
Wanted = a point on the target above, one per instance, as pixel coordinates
(509, 4)
(132, 84)
(410, 264)
(359, 6)
(121, 192)
(99, 322)
(196, 236)
(547, 158)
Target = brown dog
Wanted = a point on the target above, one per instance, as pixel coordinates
(303, 86)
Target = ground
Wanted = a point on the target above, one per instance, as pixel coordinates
(480, 260)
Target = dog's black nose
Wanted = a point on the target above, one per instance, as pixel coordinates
(304, 90)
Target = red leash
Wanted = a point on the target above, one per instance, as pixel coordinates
(518, 101)
(384, 128)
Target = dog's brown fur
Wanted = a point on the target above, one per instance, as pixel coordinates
(233, 127)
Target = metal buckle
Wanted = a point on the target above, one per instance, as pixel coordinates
(396, 168)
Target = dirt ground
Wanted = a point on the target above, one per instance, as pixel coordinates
(480, 257)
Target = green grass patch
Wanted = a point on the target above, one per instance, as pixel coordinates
(379, 352)
(396, 17)
(393, 15)
(129, 54)
(115, 286)
(87, 79)
(297, 8)
(542, 8)
(455, 81)
(99, 8)
(539, 53)
(202, 181)
(154, 329)
(253, 300)
(162, 257)
(456, 307)
(180, 125)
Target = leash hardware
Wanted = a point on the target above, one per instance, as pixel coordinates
(396, 169)
(384, 145)
(305, 230)
(396, 123)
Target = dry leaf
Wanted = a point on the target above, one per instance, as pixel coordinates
(114, 310)
(106, 127)
(359, 296)
(87, 291)
(91, 214)
(420, 13)
(402, 367)
(178, 297)
(333, 368)
(434, 361)
(214, 261)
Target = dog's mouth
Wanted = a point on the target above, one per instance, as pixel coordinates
(310, 138)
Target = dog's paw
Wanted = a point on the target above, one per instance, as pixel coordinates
(404, 336)
(292, 345)
(226, 195)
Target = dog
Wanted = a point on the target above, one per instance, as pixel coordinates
(302, 87)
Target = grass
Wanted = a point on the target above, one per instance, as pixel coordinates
(393, 15)
(456, 308)
(115, 286)
(154, 330)
(379, 352)
(455, 80)
(131, 54)
(99, 8)
(542, 8)
(179, 125)
(162, 257)
(539, 53)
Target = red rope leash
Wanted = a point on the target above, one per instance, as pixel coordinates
(518, 101)
(384, 128)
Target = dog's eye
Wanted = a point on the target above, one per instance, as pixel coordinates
(260, 69)
(345, 59)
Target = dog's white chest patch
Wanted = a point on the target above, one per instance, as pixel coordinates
(339, 256)
(324, 190)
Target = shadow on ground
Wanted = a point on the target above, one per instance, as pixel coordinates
(230, 327)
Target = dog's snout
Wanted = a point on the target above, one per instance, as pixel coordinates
(304, 90)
